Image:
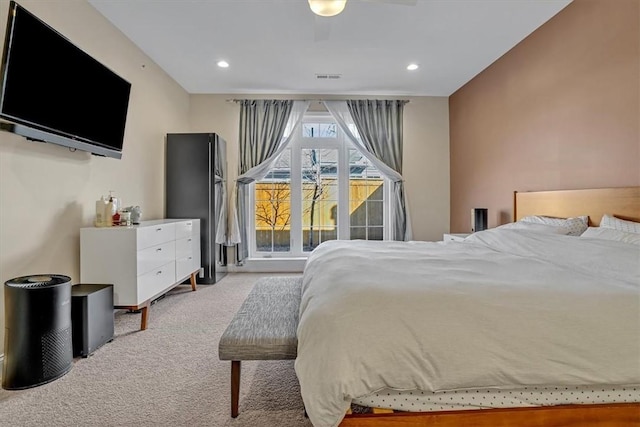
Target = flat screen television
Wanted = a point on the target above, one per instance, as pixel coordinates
(53, 91)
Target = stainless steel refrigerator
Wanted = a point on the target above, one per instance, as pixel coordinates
(195, 176)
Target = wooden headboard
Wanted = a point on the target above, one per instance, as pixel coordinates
(623, 202)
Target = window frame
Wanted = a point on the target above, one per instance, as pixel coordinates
(298, 143)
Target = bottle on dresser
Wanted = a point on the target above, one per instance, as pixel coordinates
(100, 211)
(116, 204)
(104, 212)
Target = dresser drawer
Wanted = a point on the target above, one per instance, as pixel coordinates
(155, 235)
(184, 229)
(155, 256)
(184, 247)
(185, 266)
(156, 281)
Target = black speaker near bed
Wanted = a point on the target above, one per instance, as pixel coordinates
(478, 219)
(91, 317)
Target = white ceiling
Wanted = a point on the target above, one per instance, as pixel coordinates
(278, 46)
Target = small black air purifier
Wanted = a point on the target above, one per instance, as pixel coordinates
(38, 337)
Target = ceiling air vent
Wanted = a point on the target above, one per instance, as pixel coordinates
(328, 76)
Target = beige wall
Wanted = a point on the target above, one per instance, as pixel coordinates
(425, 157)
(47, 192)
(561, 110)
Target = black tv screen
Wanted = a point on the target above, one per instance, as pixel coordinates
(55, 92)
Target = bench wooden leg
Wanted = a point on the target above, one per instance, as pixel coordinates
(235, 387)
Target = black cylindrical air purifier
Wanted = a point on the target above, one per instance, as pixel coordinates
(479, 219)
(38, 341)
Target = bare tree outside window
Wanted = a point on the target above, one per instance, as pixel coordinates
(273, 208)
(320, 195)
(312, 175)
(275, 211)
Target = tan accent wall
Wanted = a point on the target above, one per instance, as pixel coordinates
(47, 193)
(561, 110)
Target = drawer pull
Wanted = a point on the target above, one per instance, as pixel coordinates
(190, 257)
(158, 250)
(189, 224)
(159, 229)
(158, 272)
(189, 240)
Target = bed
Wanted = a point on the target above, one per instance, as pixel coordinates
(506, 313)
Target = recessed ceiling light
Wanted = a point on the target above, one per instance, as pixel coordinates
(412, 67)
(223, 64)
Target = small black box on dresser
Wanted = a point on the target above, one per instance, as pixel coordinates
(91, 317)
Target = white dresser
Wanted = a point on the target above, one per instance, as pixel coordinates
(143, 261)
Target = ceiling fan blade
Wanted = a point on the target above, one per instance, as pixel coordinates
(321, 28)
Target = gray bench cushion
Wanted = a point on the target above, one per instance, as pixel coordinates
(264, 328)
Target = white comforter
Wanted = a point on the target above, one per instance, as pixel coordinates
(503, 309)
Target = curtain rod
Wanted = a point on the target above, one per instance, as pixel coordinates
(313, 99)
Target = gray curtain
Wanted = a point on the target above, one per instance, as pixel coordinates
(379, 125)
(266, 127)
(220, 183)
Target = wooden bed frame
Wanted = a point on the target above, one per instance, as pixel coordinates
(622, 202)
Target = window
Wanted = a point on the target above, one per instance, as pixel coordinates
(321, 188)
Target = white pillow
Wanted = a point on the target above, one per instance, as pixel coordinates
(574, 226)
(609, 221)
(612, 234)
(531, 226)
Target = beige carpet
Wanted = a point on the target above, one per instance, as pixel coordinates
(168, 375)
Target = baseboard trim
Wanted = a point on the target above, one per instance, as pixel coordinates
(269, 265)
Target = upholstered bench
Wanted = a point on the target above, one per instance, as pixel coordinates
(264, 328)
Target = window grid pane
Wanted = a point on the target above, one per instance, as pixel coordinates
(358, 233)
(328, 130)
(375, 233)
(273, 207)
(319, 196)
(319, 130)
(366, 209)
(310, 130)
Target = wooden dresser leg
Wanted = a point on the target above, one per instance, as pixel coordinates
(145, 317)
(193, 281)
(235, 387)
